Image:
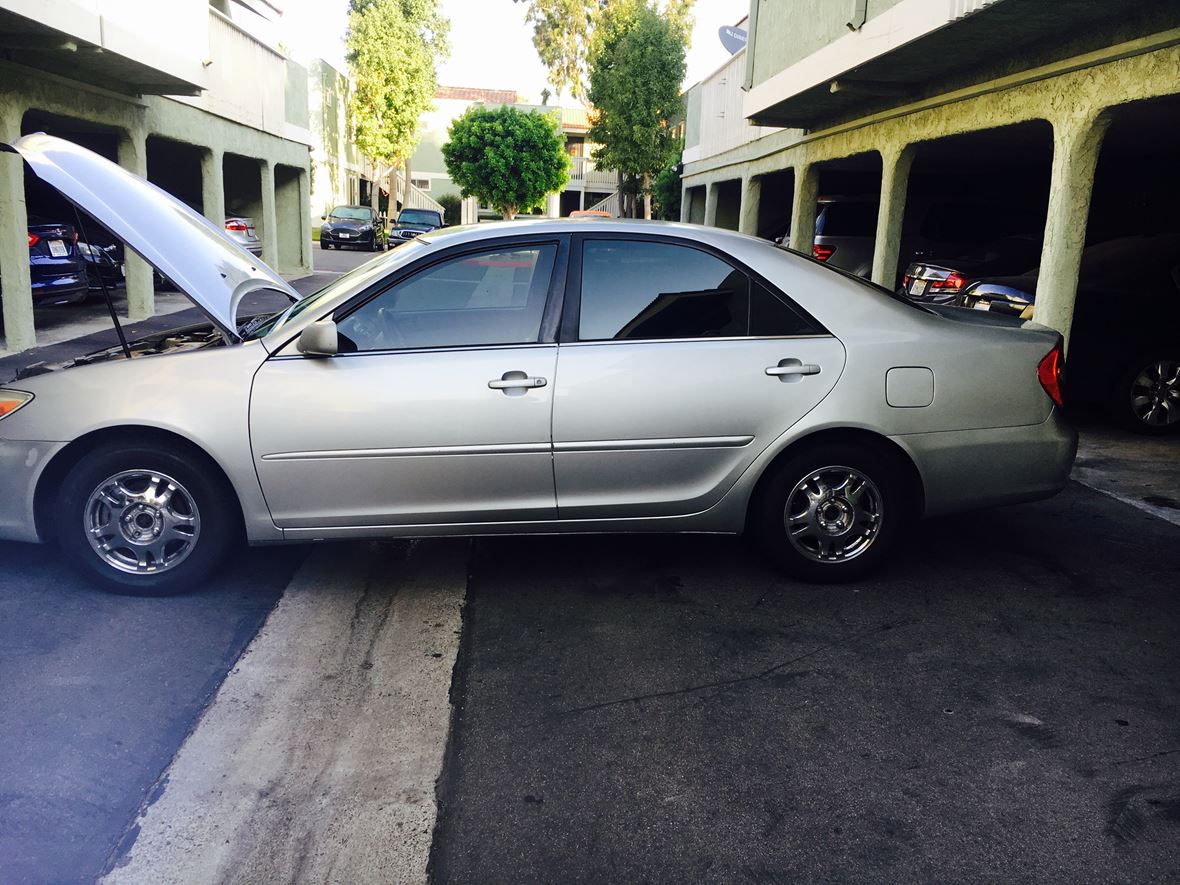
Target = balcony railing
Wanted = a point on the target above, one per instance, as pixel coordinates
(585, 175)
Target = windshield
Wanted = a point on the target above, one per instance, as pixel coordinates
(355, 279)
(352, 213)
(418, 216)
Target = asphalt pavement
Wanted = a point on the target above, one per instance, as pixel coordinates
(1001, 704)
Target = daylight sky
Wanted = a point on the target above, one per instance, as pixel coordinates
(490, 44)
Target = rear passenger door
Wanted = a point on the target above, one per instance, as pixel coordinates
(676, 367)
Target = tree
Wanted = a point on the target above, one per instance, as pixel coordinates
(507, 157)
(636, 68)
(563, 31)
(666, 191)
(393, 46)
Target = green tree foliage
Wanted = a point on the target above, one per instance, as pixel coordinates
(666, 190)
(507, 157)
(563, 31)
(636, 68)
(393, 46)
(452, 208)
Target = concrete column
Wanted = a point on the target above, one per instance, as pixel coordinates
(711, 204)
(751, 197)
(803, 208)
(141, 291)
(305, 264)
(685, 203)
(1076, 144)
(213, 185)
(270, 215)
(19, 333)
(895, 179)
(553, 205)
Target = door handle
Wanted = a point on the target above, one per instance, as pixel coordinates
(516, 382)
(792, 368)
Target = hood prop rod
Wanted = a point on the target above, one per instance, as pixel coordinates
(106, 293)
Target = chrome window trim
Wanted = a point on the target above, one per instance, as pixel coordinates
(447, 348)
(693, 340)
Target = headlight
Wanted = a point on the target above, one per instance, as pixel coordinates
(11, 400)
(366, 228)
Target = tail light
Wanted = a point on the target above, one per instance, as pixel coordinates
(235, 225)
(823, 253)
(952, 280)
(1049, 373)
(33, 240)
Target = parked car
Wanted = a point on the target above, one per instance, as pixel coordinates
(242, 231)
(56, 268)
(540, 376)
(846, 227)
(412, 222)
(941, 280)
(356, 226)
(1124, 352)
(104, 265)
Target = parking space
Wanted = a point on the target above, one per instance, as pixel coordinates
(1001, 704)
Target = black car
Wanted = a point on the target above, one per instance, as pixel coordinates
(356, 226)
(411, 222)
(1124, 349)
(940, 280)
(104, 265)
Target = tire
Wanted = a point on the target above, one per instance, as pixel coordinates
(324, 245)
(374, 245)
(839, 543)
(1146, 397)
(182, 539)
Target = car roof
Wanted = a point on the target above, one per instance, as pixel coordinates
(595, 225)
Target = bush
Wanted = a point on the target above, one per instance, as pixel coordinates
(452, 209)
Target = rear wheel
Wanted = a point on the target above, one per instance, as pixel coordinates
(144, 520)
(832, 513)
(1146, 398)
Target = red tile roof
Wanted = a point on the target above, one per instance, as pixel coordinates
(474, 93)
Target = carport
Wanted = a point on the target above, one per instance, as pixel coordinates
(692, 207)
(772, 210)
(723, 203)
(967, 191)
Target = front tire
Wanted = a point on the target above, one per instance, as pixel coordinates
(832, 513)
(145, 520)
(324, 245)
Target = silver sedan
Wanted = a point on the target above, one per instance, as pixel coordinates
(536, 377)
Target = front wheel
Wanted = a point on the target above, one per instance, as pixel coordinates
(324, 245)
(144, 520)
(831, 513)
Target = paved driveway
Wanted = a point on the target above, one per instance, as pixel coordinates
(1002, 705)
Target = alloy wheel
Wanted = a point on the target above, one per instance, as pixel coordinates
(833, 514)
(142, 522)
(1155, 393)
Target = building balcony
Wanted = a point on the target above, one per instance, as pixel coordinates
(585, 175)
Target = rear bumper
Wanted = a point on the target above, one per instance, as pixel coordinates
(970, 469)
(21, 465)
(57, 289)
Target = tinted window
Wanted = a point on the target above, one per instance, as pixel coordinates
(635, 290)
(847, 220)
(481, 299)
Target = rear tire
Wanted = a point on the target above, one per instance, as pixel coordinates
(832, 513)
(1146, 397)
(145, 520)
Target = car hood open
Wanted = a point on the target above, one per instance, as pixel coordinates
(195, 254)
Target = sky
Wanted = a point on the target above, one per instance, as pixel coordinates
(491, 46)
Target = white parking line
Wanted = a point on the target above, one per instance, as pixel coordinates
(317, 759)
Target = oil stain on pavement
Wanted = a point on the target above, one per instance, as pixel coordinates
(1003, 703)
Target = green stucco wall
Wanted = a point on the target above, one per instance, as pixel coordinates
(790, 30)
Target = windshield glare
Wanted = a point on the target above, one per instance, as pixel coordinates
(356, 279)
(352, 213)
(417, 216)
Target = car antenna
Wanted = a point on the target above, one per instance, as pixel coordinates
(106, 293)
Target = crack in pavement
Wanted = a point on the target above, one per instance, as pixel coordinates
(735, 680)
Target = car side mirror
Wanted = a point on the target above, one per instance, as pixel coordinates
(320, 339)
(323, 218)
